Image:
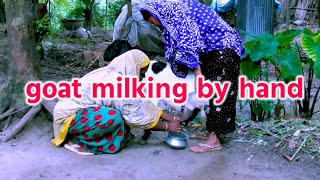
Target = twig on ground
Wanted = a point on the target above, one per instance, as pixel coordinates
(7, 113)
(291, 159)
(26, 118)
(92, 62)
(7, 123)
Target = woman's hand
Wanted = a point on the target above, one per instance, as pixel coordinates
(174, 126)
(197, 72)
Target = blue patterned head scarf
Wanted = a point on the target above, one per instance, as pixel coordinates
(191, 27)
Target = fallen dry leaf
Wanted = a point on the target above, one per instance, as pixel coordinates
(297, 133)
(277, 145)
(293, 143)
(308, 129)
(196, 125)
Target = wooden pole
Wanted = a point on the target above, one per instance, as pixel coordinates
(106, 14)
(288, 14)
(129, 8)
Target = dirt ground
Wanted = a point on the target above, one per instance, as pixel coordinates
(32, 156)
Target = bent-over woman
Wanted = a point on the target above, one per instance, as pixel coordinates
(94, 126)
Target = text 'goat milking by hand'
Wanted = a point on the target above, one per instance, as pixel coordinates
(130, 88)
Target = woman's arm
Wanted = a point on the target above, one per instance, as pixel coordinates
(170, 118)
(197, 71)
(173, 124)
(145, 115)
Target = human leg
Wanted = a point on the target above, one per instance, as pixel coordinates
(99, 130)
(221, 66)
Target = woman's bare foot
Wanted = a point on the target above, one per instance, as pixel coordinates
(77, 149)
(213, 140)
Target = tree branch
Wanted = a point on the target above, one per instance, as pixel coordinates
(7, 113)
(49, 105)
(7, 123)
(26, 118)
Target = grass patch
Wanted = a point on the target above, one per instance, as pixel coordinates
(83, 42)
(286, 133)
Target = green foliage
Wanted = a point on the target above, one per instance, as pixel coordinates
(99, 19)
(266, 105)
(311, 45)
(285, 38)
(274, 49)
(290, 64)
(287, 60)
(310, 32)
(249, 68)
(317, 69)
(75, 9)
(78, 11)
(257, 109)
(258, 133)
(42, 25)
(60, 9)
(263, 46)
(43, 28)
(114, 9)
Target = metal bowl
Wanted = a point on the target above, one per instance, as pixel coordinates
(177, 140)
(72, 24)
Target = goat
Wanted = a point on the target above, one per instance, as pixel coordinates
(116, 48)
(160, 71)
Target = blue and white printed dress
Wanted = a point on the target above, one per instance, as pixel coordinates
(189, 28)
(196, 35)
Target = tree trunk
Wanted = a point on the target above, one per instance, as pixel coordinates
(2, 12)
(91, 14)
(88, 12)
(22, 63)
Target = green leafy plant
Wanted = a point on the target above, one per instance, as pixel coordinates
(113, 11)
(43, 26)
(310, 43)
(77, 12)
(103, 15)
(289, 60)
